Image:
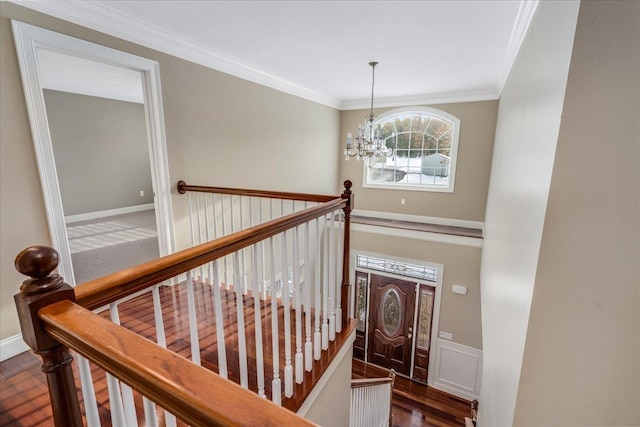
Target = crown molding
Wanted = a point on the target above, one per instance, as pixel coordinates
(426, 99)
(109, 21)
(104, 19)
(526, 11)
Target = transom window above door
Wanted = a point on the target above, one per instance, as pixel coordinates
(424, 143)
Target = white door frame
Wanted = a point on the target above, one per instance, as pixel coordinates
(28, 38)
(436, 303)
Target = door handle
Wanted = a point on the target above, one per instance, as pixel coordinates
(409, 336)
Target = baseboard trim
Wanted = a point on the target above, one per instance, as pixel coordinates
(110, 212)
(12, 346)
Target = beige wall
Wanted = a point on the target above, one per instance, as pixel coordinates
(459, 314)
(582, 355)
(221, 130)
(332, 406)
(468, 202)
(98, 143)
(526, 137)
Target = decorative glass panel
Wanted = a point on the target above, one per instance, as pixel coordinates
(397, 267)
(424, 322)
(361, 300)
(391, 312)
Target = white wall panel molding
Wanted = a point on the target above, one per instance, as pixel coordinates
(458, 369)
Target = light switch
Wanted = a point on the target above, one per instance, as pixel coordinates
(141, 193)
(446, 335)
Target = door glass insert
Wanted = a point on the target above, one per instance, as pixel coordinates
(424, 321)
(391, 308)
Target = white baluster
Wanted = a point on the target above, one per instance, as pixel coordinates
(255, 293)
(243, 258)
(242, 344)
(222, 348)
(339, 251)
(161, 339)
(299, 360)
(263, 258)
(308, 346)
(288, 369)
(325, 286)
(224, 233)
(276, 388)
(149, 413)
(332, 278)
(199, 230)
(193, 321)
(88, 392)
(317, 336)
(125, 401)
(193, 229)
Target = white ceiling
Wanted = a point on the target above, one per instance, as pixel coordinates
(429, 51)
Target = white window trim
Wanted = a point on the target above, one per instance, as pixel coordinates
(453, 157)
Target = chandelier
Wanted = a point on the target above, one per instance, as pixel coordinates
(368, 145)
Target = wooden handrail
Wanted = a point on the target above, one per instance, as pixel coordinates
(194, 394)
(108, 289)
(183, 188)
(366, 382)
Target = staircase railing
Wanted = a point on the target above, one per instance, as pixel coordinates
(371, 401)
(55, 317)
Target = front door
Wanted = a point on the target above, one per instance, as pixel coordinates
(391, 323)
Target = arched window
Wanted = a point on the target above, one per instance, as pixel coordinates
(425, 144)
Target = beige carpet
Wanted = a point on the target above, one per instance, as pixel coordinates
(103, 246)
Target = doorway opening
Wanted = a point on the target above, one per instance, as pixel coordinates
(397, 304)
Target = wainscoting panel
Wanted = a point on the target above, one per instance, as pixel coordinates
(458, 369)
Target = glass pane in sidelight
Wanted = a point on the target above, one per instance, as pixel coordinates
(424, 322)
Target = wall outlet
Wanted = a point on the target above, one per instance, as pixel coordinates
(446, 335)
(402, 201)
(141, 193)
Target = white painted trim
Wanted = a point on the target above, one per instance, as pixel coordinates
(424, 99)
(477, 225)
(12, 346)
(435, 321)
(473, 242)
(471, 362)
(28, 38)
(345, 351)
(69, 219)
(526, 11)
(101, 17)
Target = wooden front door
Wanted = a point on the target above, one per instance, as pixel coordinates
(391, 323)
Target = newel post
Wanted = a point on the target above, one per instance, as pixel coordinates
(346, 252)
(42, 289)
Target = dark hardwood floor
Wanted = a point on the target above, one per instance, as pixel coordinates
(24, 399)
(416, 404)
